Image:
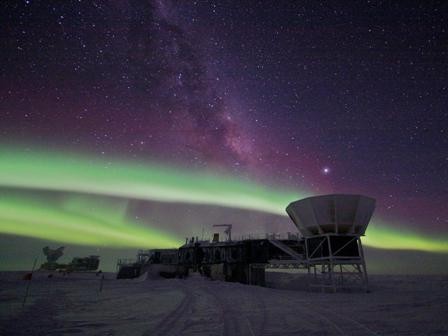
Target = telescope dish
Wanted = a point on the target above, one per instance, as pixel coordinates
(336, 213)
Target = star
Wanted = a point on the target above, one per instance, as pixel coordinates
(326, 170)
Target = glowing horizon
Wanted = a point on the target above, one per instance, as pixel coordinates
(142, 181)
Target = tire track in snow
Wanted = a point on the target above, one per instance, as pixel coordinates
(354, 327)
(174, 323)
(341, 324)
(261, 303)
(235, 315)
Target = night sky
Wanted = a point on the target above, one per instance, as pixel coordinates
(272, 101)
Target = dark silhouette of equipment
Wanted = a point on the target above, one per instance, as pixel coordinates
(78, 264)
(89, 263)
(327, 246)
(53, 255)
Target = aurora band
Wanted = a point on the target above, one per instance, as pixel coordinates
(74, 173)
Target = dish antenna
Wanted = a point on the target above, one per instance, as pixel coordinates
(53, 255)
(332, 226)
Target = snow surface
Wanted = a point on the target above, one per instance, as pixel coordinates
(70, 305)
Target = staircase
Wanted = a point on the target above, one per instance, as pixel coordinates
(285, 248)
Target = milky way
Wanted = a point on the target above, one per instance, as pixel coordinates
(293, 99)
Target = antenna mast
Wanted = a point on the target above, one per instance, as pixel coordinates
(227, 231)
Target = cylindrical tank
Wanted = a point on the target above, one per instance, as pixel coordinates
(338, 213)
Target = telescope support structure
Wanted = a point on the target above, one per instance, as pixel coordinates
(336, 262)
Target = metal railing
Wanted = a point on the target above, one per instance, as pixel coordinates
(276, 236)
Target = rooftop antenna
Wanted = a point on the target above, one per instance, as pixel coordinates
(227, 231)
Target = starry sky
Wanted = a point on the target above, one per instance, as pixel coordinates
(268, 102)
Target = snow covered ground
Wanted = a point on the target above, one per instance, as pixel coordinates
(397, 305)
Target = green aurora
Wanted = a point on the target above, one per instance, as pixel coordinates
(30, 218)
(73, 221)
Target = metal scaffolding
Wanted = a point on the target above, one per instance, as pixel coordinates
(336, 262)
